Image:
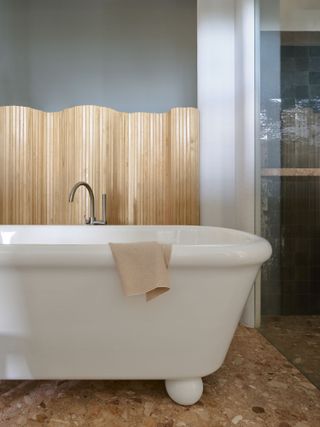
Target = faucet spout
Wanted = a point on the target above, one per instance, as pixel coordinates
(92, 218)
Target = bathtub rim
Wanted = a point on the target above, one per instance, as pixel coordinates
(252, 250)
(252, 237)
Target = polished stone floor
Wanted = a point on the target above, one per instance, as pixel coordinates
(298, 339)
(256, 386)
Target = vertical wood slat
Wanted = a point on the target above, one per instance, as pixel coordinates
(147, 163)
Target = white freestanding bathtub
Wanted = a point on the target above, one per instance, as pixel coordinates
(63, 314)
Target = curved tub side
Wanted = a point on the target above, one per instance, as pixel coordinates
(76, 323)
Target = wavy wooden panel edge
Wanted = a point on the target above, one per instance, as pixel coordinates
(147, 163)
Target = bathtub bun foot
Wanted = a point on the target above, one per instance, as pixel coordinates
(185, 391)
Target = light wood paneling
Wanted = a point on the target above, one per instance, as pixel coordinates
(147, 163)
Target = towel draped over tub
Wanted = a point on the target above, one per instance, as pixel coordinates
(142, 267)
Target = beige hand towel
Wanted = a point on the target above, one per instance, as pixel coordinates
(143, 267)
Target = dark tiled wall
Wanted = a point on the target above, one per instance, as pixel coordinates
(300, 138)
(300, 196)
(290, 214)
(300, 76)
(300, 245)
(291, 223)
(270, 143)
(270, 228)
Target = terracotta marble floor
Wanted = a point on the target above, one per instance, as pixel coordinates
(298, 339)
(256, 386)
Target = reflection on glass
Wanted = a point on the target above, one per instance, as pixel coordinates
(290, 169)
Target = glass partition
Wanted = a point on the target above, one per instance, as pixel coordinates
(289, 145)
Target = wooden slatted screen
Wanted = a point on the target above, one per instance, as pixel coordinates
(147, 163)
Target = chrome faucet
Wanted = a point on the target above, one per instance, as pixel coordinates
(92, 219)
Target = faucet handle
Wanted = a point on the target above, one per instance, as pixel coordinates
(90, 221)
(104, 213)
(104, 208)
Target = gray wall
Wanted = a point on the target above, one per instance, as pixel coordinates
(14, 85)
(132, 55)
